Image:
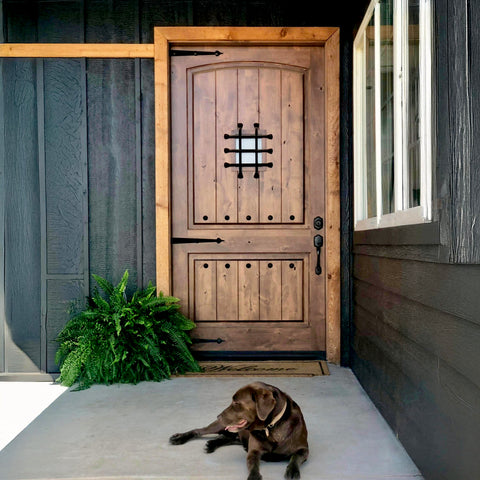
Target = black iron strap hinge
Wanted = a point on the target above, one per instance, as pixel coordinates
(179, 240)
(193, 53)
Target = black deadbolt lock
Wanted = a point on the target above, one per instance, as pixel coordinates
(318, 223)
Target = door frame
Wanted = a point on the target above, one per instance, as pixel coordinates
(329, 38)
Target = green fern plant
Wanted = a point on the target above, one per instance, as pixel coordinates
(116, 340)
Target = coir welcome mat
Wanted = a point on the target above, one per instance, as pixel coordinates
(263, 368)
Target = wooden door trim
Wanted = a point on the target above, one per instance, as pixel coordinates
(164, 37)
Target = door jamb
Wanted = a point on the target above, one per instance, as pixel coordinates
(328, 37)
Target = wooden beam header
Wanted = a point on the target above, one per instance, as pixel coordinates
(76, 50)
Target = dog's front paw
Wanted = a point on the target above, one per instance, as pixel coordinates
(254, 475)
(211, 446)
(292, 472)
(180, 438)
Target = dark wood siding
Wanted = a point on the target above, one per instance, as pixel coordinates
(416, 329)
(416, 337)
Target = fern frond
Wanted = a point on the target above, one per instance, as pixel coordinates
(116, 340)
(105, 285)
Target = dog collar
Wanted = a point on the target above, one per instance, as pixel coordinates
(275, 420)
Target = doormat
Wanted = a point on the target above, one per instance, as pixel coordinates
(301, 368)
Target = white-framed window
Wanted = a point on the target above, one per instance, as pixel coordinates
(392, 115)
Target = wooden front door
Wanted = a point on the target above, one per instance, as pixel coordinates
(247, 184)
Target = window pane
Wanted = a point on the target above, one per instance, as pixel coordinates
(386, 104)
(413, 105)
(370, 173)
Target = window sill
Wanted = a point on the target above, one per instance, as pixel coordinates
(419, 234)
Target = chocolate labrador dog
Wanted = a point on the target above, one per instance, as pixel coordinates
(266, 421)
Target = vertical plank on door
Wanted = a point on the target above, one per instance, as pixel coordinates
(292, 290)
(248, 186)
(248, 290)
(205, 290)
(270, 121)
(226, 111)
(204, 147)
(270, 290)
(227, 290)
(292, 147)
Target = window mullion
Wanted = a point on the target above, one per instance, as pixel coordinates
(400, 75)
(425, 109)
(378, 112)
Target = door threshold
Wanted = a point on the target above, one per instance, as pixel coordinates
(259, 356)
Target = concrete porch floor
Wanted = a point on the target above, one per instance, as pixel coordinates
(122, 431)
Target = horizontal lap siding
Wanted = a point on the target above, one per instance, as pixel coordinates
(415, 351)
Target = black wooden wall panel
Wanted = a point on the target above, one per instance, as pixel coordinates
(60, 22)
(64, 170)
(147, 157)
(474, 42)
(457, 160)
(22, 214)
(112, 169)
(111, 21)
(62, 296)
(157, 13)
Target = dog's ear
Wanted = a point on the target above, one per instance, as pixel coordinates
(265, 403)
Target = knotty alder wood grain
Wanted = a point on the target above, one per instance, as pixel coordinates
(226, 215)
(261, 278)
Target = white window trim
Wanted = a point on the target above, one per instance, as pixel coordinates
(402, 215)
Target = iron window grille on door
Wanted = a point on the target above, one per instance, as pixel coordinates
(392, 115)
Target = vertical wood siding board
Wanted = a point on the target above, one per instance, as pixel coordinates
(62, 293)
(63, 166)
(138, 169)
(474, 87)
(110, 22)
(148, 170)
(112, 171)
(460, 120)
(60, 22)
(2, 207)
(22, 232)
(443, 131)
(346, 205)
(21, 22)
(85, 196)
(43, 208)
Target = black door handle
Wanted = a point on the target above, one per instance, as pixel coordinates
(318, 244)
